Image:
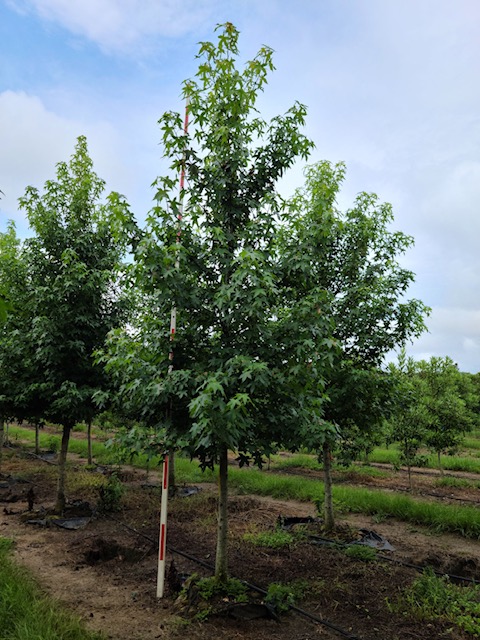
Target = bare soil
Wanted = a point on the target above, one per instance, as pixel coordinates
(106, 572)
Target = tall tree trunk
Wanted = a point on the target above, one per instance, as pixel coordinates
(89, 442)
(37, 438)
(62, 460)
(2, 435)
(439, 457)
(327, 478)
(221, 565)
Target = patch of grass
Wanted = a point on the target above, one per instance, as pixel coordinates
(439, 517)
(299, 460)
(360, 552)
(456, 483)
(26, 614)
(435, 598)
(82, 480)
(361, 471)
(471, 443)
(449, 463)
(385, 456)
(277, 539)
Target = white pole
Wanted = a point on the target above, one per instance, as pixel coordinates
(162, 544)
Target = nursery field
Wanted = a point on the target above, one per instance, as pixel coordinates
(105, 571)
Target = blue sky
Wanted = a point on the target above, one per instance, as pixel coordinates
(392, 88)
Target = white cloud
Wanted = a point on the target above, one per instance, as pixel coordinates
(122, 25)
(454, 332)
(34, 139)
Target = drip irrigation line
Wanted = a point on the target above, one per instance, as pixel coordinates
(261, 591)
(249, 585)
(403, 563)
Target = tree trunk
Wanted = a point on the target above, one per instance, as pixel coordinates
(2, 434)
(37, 438)
(328, 500)
(89, 442)
(6, 436)
(62, 460)
(409, 471)
(221, 568)
(440, 462)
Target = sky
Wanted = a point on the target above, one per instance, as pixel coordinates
(391, 86)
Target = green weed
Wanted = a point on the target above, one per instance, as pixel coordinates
(283, 596)
(272, 539)
(110, 495)
(431, 598)
(360, 552)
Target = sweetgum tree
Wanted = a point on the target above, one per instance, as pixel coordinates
(249, 355)
(354, 256)
(444, 391)
(13, 295)
(73, 262)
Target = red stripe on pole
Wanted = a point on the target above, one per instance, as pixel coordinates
(161, 550)
(165, 473)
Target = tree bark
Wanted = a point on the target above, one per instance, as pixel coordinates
(221, 566)
(89, 442)
(409, 472)
(328, 500)
(439, 456)
(62, 460)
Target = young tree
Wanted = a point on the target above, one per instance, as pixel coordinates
(249, 357)
(354, 257)
(448, 416)
(12, 292)
(73, 265)
(408, 422)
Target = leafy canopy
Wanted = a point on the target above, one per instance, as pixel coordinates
(250, 354)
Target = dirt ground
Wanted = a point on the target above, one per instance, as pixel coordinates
(106, 572)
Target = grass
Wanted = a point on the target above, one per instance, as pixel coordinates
(439, 517)
(277, 539)
(449, 463)
(471, 443)
(457, 483)
(435, 598)
(302, 460)
(26, 614)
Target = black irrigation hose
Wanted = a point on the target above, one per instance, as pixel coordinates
(450, 576)
(409, 565)
(249, 585)
(262, 592)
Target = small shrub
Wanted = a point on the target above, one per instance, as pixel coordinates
(209, 588)
(283, 596)
(110, 495)
(53, 444)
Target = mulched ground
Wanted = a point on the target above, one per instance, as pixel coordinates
(350, 594)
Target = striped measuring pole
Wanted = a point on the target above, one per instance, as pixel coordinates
(162, 544)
